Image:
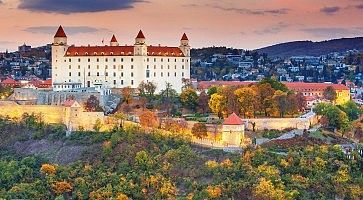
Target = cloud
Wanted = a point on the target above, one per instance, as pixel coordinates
(76, 6)
(360, 6)
(334, 32)
(330, 10)
(280, 11)
(71, 30)
(272, 29)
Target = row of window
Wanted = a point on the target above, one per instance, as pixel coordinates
(122, 67)
(122, 59)
(132, 74)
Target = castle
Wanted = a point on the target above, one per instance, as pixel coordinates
(117, 66)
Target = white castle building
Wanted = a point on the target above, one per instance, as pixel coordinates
(116, 66)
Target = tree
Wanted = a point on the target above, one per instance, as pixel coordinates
(126, 93)
(203, 102)
(149, 119)
(98, 125)
(217, 104)
(168, 97)
(189, 98)
(212, 90)
(264, 96)
(351, 109)
(93, 104)
(330, 94)
(247, 98)
(199, 130)
(280, 102)
(147, 89)
(121, 117)
(276, 85)
(301, 102)
(232, 105)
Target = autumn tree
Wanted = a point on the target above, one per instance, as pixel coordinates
(199, 130)
(301, 101)
(275, 84)
(189, 98)
(168, 97)
(330, 94)
(212, 90)
(127, 93)
(280, 102)
(147, 89)
(264, 97)
(247, 98)
(203, 102)
(93, 104)
(149, 119)
(217, 104)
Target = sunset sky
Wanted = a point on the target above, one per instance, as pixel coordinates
(247, 24)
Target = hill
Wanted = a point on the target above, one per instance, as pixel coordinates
(311, 48)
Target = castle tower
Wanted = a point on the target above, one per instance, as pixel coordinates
(184, 45)
(59, 48)
(140, 47)
(113, 41)
(233, 130)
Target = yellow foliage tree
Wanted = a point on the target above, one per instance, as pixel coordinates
(217, 104)
(247, 98)
(48, 169)
(211, 164)
(122, 197)
(214, 192)
(61, 187)
(265, 190)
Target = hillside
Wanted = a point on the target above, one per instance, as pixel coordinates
(313, 48)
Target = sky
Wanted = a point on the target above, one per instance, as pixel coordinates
(247, 24)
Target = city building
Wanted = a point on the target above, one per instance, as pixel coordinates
(116, 66)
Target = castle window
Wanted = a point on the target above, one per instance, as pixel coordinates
(122, 74)
(65, 60)
(114, 82)
(154, 66)
(154, 74)
(106, 73)
(79, 60)
(168, 74)
(122, 82)
(106, 67)
(182, 74)
(175, 59)
(175, 74)
(89, 73)
(161, 74)
(98, 67)
(168, 60)
(187, 60)
(168, 67)
(147, 59)
(70, 73)
(122, 67)
(70, 60)
(94, 53)
(98, 73)
(175, 67)
(114, 60)
(132, 82)
(79, 73)
(132, 67)
(114, 66)
(89, 66)
(161, 66)
(154, 58)
(114, 74)
(98, 60)
(147, 73)
(132, 74)
(132, 60)
(162, 59)
(147, 67)
(106, 59)
(86, 53)
(182, 60)
(89, 60)
(70, 67)
(122, 59)
(182, 66)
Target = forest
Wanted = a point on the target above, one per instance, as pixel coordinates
(131, 163)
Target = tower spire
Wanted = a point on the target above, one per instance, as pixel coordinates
(60, 32)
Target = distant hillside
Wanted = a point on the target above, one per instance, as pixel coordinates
(313, 48)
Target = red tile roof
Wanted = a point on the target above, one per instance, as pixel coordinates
(113, 39)
(140, 35)
(10, 81)
(184, 37)
(202, 85)
(306, 87)
(122, 51)
(233, 119)
(69, 102)
(60, 32)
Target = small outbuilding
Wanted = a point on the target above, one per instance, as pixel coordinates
(233, 131)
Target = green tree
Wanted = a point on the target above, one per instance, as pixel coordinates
(276, 85)
(351, 109)
(212, 90)
(189, 98)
